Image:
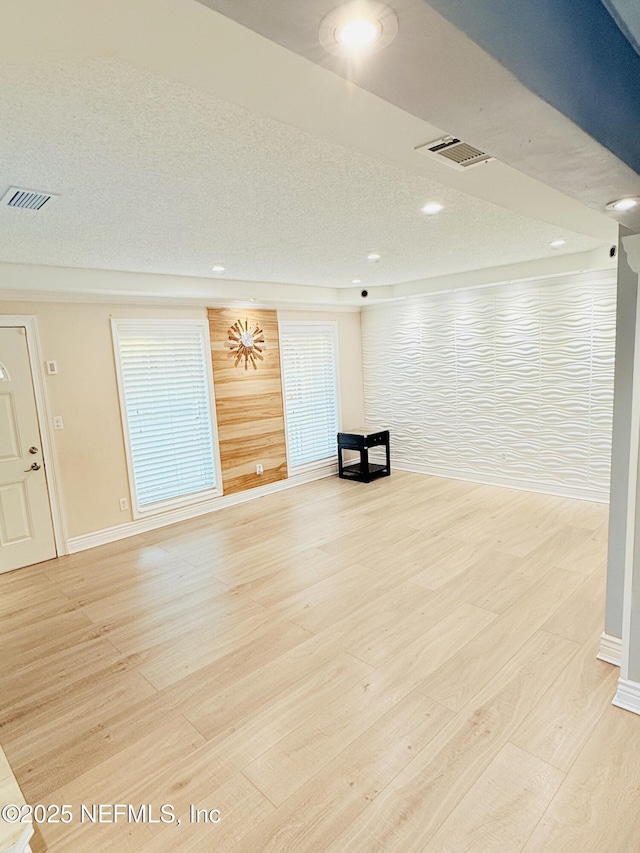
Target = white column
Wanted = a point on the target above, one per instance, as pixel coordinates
(627, 297)
(628, 693)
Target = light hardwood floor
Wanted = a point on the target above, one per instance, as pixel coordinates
(407, 665)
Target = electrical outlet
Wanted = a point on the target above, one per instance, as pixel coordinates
(58, 423)
(259, 469)
(124, 504)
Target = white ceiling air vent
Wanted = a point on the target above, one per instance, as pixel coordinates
(27, 199)
(454, 152)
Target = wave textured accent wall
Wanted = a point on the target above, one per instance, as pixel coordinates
(511, 384)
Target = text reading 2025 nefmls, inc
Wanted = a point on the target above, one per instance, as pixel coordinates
(106, 813)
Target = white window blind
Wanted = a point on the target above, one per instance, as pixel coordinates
(308, 356)
(165, 394)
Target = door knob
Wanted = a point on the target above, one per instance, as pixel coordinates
(34, 467)
(33, 450)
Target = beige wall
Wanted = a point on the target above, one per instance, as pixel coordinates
(90, 449)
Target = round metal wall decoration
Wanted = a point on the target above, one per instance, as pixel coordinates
(246, 343)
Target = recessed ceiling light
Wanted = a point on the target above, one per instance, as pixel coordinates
(356, 281)
(555, 244)
(432, 207)
(218, 268)
(623, 204)
(360, 32)
(373, 257)
(358, 28)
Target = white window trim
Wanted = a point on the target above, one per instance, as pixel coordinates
(313, 325)
(187, 500)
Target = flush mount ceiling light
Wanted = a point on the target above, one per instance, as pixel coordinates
(373, 257)
(556, 244)
(623, 204)
(359, 33)
(356, 281)
(359, 28)
(432, 208)
(218, 268)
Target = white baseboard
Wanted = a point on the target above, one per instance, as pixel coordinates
(144, 525)
(595, 495)
(628, 695)
(610, 649)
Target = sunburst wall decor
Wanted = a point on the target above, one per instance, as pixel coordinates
(246, 343)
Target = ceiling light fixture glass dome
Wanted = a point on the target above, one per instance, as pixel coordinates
(361, 32)
(358, 28)
(621, 205)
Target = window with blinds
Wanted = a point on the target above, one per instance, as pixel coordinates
(309, 381)
(166, 398)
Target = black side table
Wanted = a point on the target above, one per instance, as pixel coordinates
(361, 440)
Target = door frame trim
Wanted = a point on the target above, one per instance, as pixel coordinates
(43, 410)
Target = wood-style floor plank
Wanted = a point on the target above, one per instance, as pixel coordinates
(404, 665)
(561, 722)
(461, 678)
(255, 734)
(243, 807)
(353, 779)
(287, 765)
(429, 788)
(578, 617)
(117, 779)
(596, 809)
(502, 808)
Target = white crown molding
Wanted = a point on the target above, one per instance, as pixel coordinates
(610, 649)
(518, 274)
(33, 283)
(631, 245)
(176, 302)
(133, 528)
(627, 695)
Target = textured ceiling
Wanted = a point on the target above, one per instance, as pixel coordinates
(155, 176)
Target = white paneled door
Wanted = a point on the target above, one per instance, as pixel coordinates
(26, 528)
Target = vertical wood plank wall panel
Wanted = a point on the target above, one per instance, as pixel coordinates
(249, 404)
(511, 384)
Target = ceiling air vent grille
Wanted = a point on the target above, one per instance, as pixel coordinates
(27, 199)
(454, 152)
